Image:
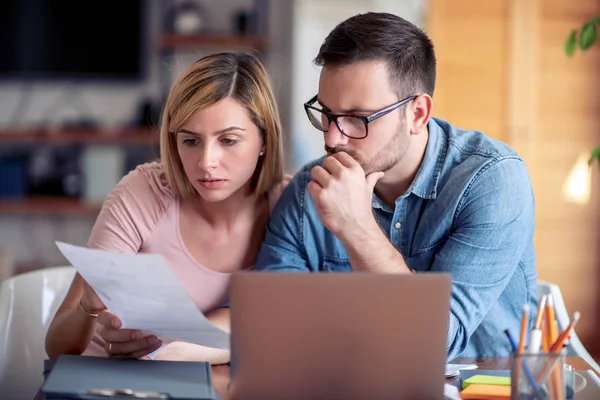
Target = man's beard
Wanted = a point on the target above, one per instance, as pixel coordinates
(387, 158)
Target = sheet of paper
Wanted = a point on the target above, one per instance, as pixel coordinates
(144, 293)
(453, 369)
(451, 392)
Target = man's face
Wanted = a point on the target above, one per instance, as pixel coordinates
(364, 88)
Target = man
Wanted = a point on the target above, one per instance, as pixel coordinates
(402, 192)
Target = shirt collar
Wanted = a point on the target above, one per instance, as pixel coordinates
(425, 183)
(377, 203)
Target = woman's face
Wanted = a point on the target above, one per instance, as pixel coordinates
(219, 148)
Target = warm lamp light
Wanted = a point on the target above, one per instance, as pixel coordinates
(578, 185)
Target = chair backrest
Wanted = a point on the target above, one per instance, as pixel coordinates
(576, 348)
(28, 303)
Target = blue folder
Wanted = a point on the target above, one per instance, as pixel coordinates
(90, 378)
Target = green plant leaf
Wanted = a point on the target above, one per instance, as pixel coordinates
(595, 156)
(588, 36)
(571, 43)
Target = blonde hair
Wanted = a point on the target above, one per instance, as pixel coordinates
(213, 78)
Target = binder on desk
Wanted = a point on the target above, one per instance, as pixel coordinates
(83, 377)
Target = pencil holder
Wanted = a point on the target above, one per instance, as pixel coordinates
(537, 376)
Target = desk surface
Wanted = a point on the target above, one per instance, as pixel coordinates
(221, 372)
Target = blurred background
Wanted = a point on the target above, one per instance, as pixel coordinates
(82, 85)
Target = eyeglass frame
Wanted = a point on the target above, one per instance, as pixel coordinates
(365, 119)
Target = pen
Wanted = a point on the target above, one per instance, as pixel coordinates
(535, 337)
(515, 349)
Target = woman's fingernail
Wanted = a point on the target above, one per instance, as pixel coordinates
(136, 336)
(116, 324)
(152, 339)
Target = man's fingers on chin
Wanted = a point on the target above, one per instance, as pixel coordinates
(345, 159)
(313, 188)
(332, 165)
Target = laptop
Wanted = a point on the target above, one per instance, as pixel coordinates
(338, 335)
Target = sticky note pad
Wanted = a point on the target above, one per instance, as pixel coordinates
(487, 380)
(486, 392)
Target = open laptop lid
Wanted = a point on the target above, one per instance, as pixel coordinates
(338, 335)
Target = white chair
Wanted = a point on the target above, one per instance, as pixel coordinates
(576, 348)
(27, 304)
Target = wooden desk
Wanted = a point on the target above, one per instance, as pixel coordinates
(221, 372)
(502, 363)
(220, 375)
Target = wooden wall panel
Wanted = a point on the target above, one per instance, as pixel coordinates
(512, 80)
(568, 119)
(468, 37)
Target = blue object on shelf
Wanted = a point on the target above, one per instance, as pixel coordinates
(12, 178)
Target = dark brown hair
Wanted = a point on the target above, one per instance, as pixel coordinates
(406, 49)
(242, 77)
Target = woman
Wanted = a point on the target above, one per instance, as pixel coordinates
(204, 207)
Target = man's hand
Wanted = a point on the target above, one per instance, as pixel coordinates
(343, 194)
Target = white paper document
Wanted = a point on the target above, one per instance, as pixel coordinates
(144, 293)
(451, 392)
(453, 370)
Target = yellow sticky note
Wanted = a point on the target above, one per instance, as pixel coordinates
(486, 392)
(487, 380)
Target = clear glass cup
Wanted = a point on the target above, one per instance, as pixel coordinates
(538, 377)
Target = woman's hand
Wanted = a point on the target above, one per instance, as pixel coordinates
(182, 351)
(124, 343)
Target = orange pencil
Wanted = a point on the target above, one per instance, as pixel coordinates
(524, 325)
(556, 349)
(558, 344)
(552, 331)
(550, 320)
(545, 336)
(540, 313)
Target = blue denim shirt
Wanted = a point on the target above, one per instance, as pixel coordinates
(469, 213)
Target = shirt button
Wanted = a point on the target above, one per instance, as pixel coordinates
(397, 225)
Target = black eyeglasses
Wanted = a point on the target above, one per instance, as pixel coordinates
(353, 126)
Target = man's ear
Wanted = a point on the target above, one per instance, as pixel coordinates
(420, 110)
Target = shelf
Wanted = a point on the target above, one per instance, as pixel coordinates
(145, 136)
(48, 205)
(172, 42)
